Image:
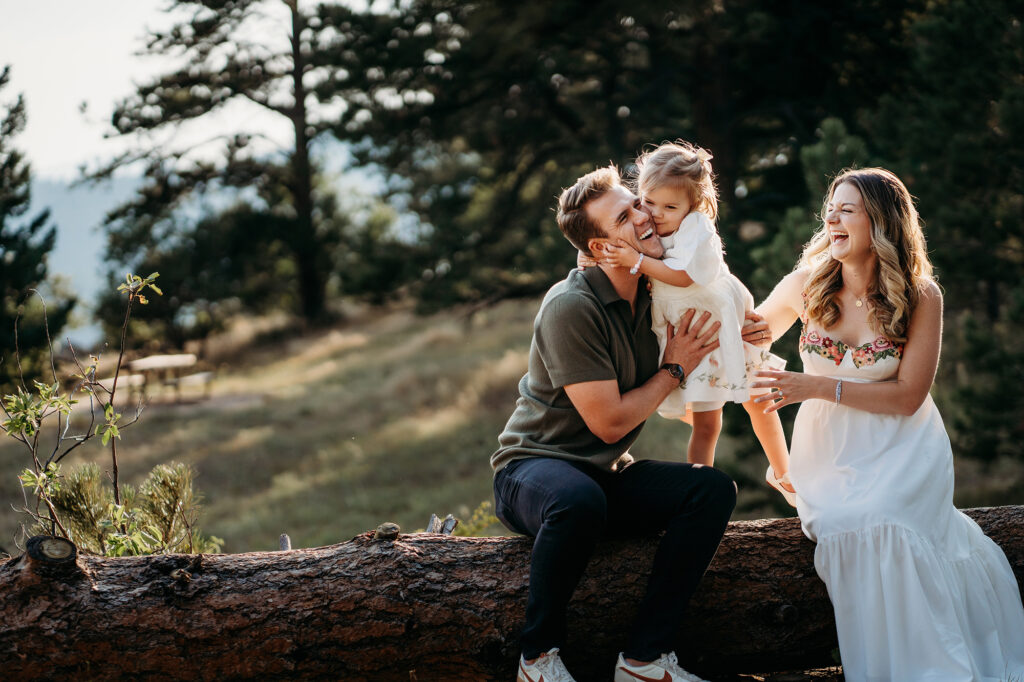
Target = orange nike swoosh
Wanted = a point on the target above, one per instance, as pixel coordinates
(667, 677)
(527, 675)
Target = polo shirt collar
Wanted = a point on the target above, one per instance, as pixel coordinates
(601, 286)
(606, 293)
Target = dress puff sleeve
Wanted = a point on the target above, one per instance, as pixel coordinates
(697, 250)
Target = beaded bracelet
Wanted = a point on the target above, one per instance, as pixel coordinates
(839, 390)
(636, 268)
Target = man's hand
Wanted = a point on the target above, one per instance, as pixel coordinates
(756, 331)
(688, 349)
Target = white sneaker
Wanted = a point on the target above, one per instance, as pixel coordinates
(664, 669)
(547, 668)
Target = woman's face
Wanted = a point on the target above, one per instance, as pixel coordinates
(848, 223)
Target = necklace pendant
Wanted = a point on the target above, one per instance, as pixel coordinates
(860, 303)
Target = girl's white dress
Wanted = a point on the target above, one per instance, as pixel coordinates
(919, 592)
(725, 374)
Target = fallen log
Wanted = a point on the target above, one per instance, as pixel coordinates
(416, 607)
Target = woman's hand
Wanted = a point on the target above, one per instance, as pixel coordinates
(756, 331)
(620, 254)
(788, 388)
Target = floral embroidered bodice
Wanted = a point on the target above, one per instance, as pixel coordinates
(876, 360)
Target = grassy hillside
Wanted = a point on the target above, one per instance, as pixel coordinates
(389, 417)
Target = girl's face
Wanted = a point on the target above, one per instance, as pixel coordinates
(849, 226)
(668, 206)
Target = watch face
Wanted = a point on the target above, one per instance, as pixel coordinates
(675, 370)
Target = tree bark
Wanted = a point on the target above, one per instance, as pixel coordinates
(419, 607)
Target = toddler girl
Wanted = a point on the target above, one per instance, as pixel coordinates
(675, 183)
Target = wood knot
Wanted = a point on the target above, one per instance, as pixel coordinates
(387, 531)
(787, 614)
(181, 575)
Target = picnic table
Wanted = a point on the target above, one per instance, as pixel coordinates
(169, 369)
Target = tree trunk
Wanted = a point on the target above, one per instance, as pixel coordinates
(446, 608)
(305, 243)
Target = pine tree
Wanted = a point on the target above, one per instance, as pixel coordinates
(223, 65)
(481, 112)
(955, 134)
(25, 243)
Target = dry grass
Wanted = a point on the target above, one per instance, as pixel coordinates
(388, 417)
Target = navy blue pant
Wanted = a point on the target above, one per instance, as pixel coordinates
(566, 507)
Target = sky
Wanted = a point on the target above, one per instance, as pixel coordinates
(66, 52)
(63, 53)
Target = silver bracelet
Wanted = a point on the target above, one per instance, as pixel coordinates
(839, 390)
(636, 268)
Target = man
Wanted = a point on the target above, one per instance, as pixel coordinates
(563, 473)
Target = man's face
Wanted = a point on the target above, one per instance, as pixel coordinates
(622, 217)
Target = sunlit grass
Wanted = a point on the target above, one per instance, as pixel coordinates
(389, 417)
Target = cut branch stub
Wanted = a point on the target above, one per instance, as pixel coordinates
(445, 527)
(51, 557)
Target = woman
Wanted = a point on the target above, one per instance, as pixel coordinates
(919, 592)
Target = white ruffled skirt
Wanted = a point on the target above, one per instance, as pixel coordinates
(919, 591)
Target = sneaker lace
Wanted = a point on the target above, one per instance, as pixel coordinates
(553, 668)
(670, 662)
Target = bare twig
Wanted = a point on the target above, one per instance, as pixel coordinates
(17, 348)
(113, 390)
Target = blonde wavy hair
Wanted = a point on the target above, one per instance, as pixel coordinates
(898, 241)
(680, 164)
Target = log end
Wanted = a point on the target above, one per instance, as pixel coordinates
(51, 558)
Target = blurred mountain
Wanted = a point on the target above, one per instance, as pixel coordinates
(78, 257)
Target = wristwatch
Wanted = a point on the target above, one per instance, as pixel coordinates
(676, 371)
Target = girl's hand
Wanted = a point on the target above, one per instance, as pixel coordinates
(583, 261)
(621, 254)
(788, 388)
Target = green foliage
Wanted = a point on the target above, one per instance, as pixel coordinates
(158, 518)
(955, 134)
(479, 131)
(115, 521)
(26, 411)
(835, 150)
(24, 248)
(45, 482)
(480, 521)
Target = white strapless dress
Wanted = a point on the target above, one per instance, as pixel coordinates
(919, 592)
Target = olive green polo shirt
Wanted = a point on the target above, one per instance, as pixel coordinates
(584, 331)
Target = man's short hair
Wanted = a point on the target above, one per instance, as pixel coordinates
(573, 220)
